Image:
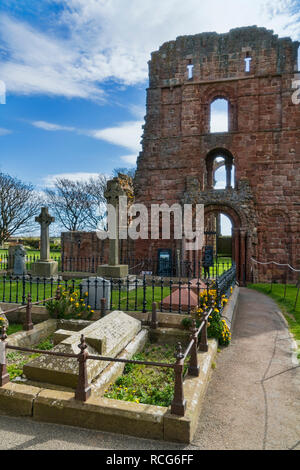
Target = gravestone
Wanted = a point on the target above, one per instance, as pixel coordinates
(98, 288)
(19, 261)
(45, 267)
(106, 337)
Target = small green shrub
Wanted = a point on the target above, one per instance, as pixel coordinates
(70, 306)
(145, 384)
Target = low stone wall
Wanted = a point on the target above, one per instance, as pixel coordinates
(39, 313)
(102, 414)
(230, 311)
(25, 339)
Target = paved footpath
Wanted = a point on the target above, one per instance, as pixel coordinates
(253, 399)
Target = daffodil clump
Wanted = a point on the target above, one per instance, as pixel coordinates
(217, 327)
(70, 306)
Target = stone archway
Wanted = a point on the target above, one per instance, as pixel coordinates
(240, 246)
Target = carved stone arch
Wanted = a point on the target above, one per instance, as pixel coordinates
(211, 165)
(215, 93)
(241, 236)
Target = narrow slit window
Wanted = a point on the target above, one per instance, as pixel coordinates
(248, 60)
(190, 69)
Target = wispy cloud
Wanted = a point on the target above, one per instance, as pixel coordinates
(4, 131)
(49, 180)
(126, 134)
(129, 159)
(47, 126)
(113, 39)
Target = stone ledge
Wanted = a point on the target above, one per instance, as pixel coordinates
(26, 339)
(101, 414)
(230, 311)
(18, 399)
(144, 421)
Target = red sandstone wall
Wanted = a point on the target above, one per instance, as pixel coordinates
(263, 137)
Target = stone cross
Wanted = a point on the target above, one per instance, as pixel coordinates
(45, 220)
(113, 191)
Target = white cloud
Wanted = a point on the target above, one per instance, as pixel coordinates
(4, 131)
(130, 159)
(49, 180)
(127, 135)
(113, 39)
(47, 126)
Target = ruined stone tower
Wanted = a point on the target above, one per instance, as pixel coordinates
(253, 70)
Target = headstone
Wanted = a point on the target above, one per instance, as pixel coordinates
(106, 337)
(98, 288)
(45, 267)
(20, 261)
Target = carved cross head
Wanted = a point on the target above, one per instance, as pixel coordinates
(45, 219)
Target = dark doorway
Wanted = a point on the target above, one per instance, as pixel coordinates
(164, 263)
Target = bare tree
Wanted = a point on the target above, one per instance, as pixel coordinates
(95, 189)
(19, 203)
(78, 205)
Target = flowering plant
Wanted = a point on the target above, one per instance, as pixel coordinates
(217, 326)
(70, 305)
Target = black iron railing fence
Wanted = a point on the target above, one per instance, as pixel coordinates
(83, 390)
(137, 294)
(150, 266)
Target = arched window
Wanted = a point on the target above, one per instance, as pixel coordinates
(219, 121)
(220, 170)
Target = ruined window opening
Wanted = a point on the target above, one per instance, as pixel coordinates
(220, 172)
(248, 60)
(190, 68)
(219, 119)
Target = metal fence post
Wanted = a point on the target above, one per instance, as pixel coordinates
(144, 294)
(83, 390)
(4, 376)
(28, 325)
(178, 405)
(203, 346)
(194, 368)
(154, 322)
(103, 307)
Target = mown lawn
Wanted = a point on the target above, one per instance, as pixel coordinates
(286, 301)
(31, 253)
(13, 292)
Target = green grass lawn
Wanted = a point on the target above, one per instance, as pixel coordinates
(14, 328)
(12, 292)
(285, 302)
(146, 384)
(32, 253)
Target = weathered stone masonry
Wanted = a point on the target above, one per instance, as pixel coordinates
(263, 139)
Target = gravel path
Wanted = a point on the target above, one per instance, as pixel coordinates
(253, 399)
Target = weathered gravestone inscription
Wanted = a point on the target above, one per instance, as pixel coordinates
(105, 337)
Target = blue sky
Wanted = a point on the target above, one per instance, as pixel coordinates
(76, 74)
